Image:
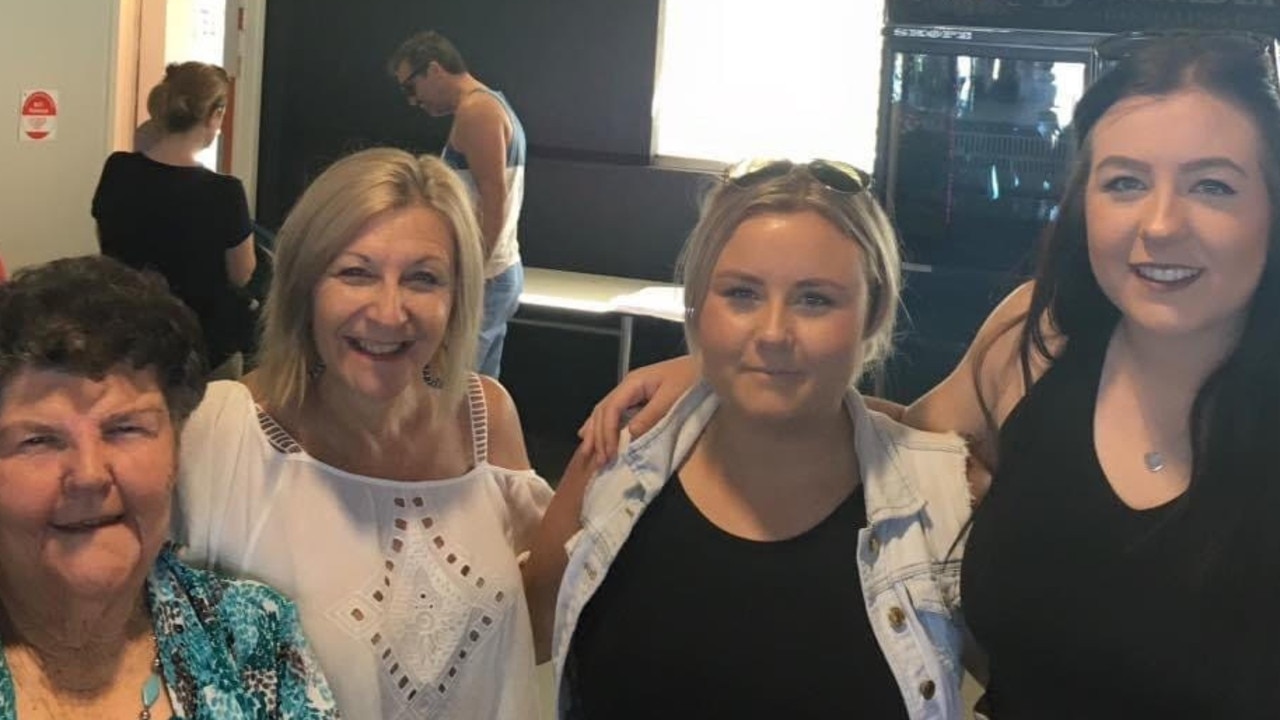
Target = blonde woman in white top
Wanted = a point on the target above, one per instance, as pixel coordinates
(363, 469)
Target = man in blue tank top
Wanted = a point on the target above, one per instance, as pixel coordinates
(486, 146)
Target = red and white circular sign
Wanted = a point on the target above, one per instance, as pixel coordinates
(39, 114)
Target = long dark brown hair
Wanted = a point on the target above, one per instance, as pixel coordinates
(1235, 419)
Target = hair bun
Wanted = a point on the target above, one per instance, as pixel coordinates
(188, 95)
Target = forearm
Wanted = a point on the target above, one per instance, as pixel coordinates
(492, 215)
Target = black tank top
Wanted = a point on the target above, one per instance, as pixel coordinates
(1086, 607)
(692, 622)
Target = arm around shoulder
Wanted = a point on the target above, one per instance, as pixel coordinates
(549, 557)
(987, 383)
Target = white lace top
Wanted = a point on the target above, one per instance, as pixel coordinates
(408, 591)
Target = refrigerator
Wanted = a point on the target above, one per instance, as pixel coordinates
(973, 149)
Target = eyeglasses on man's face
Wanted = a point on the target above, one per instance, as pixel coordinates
(408, 86)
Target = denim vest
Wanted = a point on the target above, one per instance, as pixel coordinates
(917, 503)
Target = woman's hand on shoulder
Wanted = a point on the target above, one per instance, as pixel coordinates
(649, 392)
(506, 437)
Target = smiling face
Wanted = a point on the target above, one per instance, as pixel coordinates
(1177, 212)
(780, 330)
(382, 306)
(86, 480)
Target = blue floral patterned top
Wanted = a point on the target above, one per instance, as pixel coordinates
(229, 649)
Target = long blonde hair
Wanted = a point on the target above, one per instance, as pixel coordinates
(328, 217)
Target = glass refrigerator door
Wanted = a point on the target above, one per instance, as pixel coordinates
(974, 148)
(976, 155)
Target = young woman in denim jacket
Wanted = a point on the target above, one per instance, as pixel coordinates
(771, 548)
(1124, 561)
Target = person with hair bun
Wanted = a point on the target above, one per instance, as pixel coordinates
(159, 209)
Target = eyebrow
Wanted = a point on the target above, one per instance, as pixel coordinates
(805, 283)
(146, 411)
(1213, 163)
(26, 426)
(430, 258)
(1207, 163)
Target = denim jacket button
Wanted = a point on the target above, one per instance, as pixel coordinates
(590, 571)
(897, 618)
(873, 544)
(927, 688)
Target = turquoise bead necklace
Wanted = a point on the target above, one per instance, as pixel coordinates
(151, 688)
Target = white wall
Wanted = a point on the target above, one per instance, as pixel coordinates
(46, 188)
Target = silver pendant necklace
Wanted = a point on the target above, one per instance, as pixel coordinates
(1154, 460)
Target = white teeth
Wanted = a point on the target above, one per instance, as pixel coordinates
(91, 524)
(376, 348)
(1165, 274)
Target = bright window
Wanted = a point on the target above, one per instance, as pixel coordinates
(758, 78)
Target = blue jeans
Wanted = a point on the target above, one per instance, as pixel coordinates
(501, 298)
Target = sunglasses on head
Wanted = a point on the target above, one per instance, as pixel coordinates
(406, 85)
(833, 174)
(1122, 45)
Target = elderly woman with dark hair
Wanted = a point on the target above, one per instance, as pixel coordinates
(99, 368)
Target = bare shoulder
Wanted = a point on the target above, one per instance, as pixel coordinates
(987, 383)
(479, 112)
(1003, 332)
(253, 381)
(506, 437)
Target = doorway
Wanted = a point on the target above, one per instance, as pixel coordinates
(229, 33)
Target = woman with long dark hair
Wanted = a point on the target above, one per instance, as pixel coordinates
(1128, 404)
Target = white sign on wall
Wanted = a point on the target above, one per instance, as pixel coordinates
(38, 116)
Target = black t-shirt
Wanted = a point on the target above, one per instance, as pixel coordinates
(179, 221)
(693, 622)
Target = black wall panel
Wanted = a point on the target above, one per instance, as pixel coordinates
(579, 73)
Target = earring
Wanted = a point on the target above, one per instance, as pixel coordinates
(430, 378)
(315, 371)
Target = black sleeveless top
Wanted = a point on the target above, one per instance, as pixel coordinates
(1088, 608)
(692, 622)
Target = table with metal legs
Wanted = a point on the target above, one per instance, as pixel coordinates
(596, 295)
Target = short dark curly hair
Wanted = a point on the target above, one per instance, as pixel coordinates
(87, 315)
